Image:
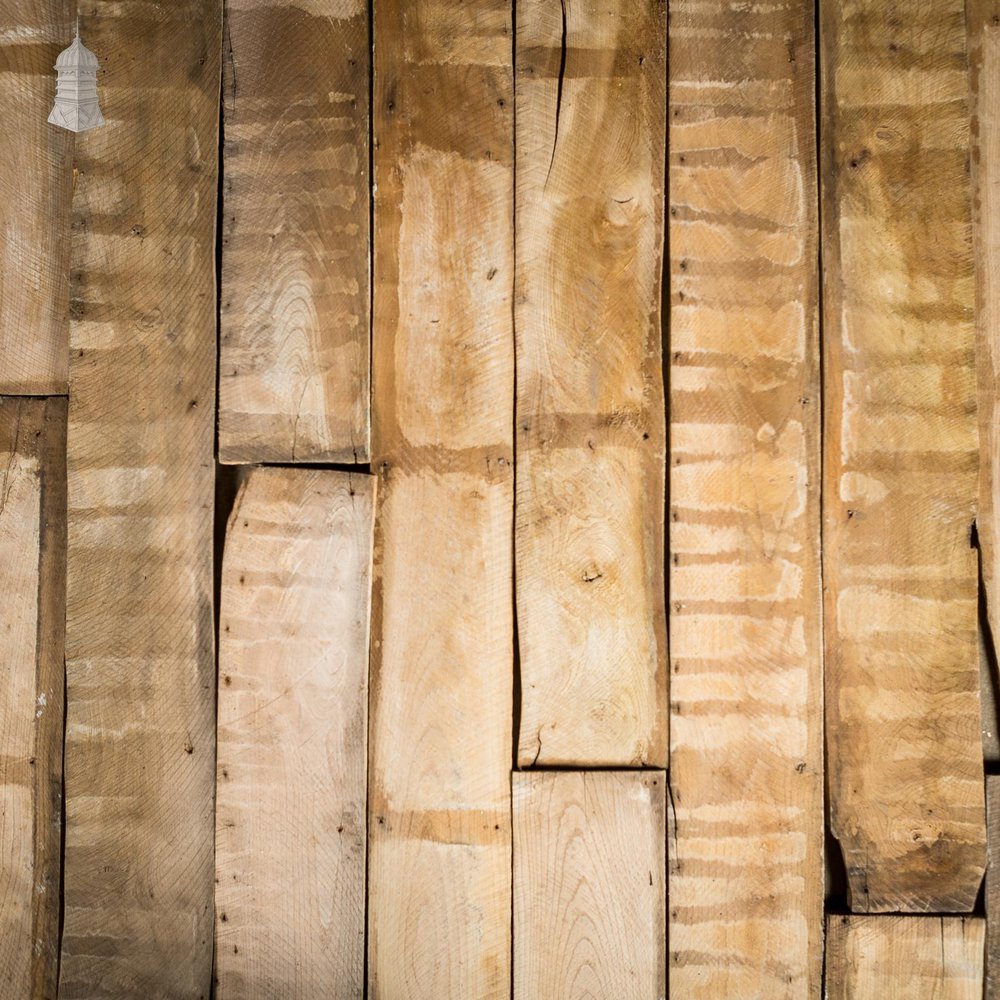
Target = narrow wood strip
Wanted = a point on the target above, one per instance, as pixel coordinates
(590, 414)
(589, 885)
(992, 991)
(746, 755)
(442, 624)
(35, 189)
(32, 633)
(920, 958)
(140, 739)
(901, 452)
(292, 750)
(294, 359)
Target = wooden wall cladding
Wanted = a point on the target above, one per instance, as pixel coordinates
(294, 346)
(589, 885)
(140, 730)
(292, 747)
(746, 756)
(32, 599)
(35, 190)
(590, 415)
(442, 630)
(901, 454)
(920, 958)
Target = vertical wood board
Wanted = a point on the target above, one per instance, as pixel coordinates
(32, 629)
(294, 345)
(590, 411)
(589, 885)
(140, 736)
(442, 626)
(35, 191)
(292, 761)
(901, 454)
(746, 755)
(919, 958)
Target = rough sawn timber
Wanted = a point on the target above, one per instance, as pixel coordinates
(901, 457)
(140, 736)
(442, 627)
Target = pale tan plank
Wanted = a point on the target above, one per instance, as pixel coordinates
(919, 958)
(901, 452)
(746, 755)
(589, 885)
(36, 161)
(292, 748)
(140, 733)
(992, 895)
(442, 628)
(590, 414)
(32, 631)
(294, 345)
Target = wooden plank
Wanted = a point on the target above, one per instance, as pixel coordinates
(35, 164)
(140, 734)
(992, 896)
(983, 24)
(903, 711)
(920, 958)
(746, 755)
(589, 885)
(292, 749)
(32, 632)
(294, 345)
(590, 414)
(442, 628)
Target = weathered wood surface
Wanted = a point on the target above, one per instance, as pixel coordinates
(294, 345)
(32, 629)
(901, 452)
(919, 958)
(442, 629)
(35, 188)
(292, 749)
(589, 885)
(590, 413)
(140, 735)
(992, 894)
(983, 24)
(746, 755)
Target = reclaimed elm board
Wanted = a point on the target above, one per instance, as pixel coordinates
(901, 457)
(294, 306)
(439, 891)
(590, 141)
(589, 885)
(32, 627)
(140, 726)
(916, 958)
(35, 188)
(292, 740)
(746, 755)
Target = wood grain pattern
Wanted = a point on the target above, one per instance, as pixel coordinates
(442, 628)
(590, 412)
(992, 895)
(35, 190)
(901, 452)
(983, 25)
(292, 749)
(589, 885)
(919, 958)
(294, 346)
(746, 755)
(140, 771)
(32, 632)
